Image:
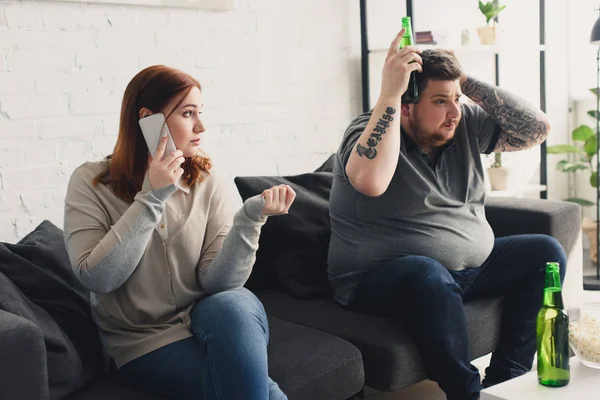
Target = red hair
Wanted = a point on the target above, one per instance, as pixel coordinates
(152, 88)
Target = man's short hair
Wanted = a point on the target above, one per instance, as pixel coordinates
(440, 65)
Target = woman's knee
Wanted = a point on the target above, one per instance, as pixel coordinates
(232, 309)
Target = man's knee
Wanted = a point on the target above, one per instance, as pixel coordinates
(551, 246)
(548, 249)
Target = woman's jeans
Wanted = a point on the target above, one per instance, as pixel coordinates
(428, 300)
(225, 359)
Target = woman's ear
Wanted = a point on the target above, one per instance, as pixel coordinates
(144, 112)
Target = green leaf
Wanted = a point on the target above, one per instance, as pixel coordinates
(490, 10)
(562, 149)
(590, 146)
(580, 201)
(582, 133)
(593, 179)
(567, 166)
(594, 91)
(593, 114)
(561, 165)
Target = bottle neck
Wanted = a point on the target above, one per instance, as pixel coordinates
(407, 39)
(553, 290)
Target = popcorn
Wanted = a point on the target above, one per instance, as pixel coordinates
(584, 336)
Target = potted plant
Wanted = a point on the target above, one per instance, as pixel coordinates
(491, 9)
(583, 153)
(497, 173)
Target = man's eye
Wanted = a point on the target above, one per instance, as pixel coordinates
(441, 101)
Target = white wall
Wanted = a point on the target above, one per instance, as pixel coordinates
(281, 82)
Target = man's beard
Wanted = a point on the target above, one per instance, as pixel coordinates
(436, 138)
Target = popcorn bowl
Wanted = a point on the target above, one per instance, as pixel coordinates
(584, 333)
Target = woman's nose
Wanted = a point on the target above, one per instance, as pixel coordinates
(199, 127)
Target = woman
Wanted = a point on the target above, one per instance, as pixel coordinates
(166, 263)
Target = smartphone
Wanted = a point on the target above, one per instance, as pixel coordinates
(153, 128)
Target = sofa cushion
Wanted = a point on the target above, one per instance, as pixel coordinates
(292, 253)
(309, 364)
(39, 266)
(62, 371)
(390, 357)
(104, 387)
(305, 363)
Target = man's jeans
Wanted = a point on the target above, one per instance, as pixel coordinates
(428, 300)
(225, 359)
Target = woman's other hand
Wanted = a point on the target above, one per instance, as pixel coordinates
(278, 200)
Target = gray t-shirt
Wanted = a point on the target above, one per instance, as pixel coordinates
(429, 210)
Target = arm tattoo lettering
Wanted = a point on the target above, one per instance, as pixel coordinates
(368, 152)
(384, 122)
(520, 122)
(376, 136)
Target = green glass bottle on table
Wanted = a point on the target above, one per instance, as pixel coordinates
(552, 326)
(412, 92)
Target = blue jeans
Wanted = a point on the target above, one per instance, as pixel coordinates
(428, 300)
(225, 359)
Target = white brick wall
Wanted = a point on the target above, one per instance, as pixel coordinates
(280, 77)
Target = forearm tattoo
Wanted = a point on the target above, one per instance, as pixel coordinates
(384, 122)
(519, 120)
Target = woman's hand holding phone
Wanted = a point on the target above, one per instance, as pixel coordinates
(165, 169)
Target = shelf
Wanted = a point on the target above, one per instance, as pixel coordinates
(475, 48)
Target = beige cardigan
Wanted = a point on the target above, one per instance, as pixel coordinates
(148, 262)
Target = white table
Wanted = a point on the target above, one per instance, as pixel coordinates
(584, 385)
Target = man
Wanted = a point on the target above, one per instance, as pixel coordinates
(409, 235)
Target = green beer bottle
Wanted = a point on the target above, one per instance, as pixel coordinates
(412, 92)
(552, 326)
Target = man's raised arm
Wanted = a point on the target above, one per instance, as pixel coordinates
(374, 158)
(523, 125)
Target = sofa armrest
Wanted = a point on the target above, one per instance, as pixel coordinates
(559, 219)
(23, 373)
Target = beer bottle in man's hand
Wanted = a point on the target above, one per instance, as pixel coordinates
(412, 92)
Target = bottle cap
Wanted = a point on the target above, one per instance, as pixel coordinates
(552, 267)
(405, 21)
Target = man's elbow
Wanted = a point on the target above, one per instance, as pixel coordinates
(548, 129)
(369, 187)
(544, 131)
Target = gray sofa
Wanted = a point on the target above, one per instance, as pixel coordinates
(318, 349)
